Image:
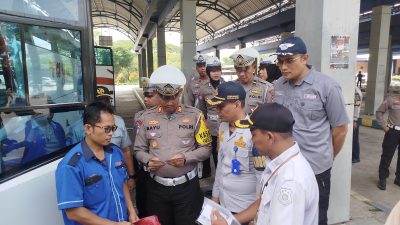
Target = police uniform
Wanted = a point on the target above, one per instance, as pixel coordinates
(391, 140)
(289, 191)
(208, 91)
(142, 174)
(317, 105)
(82, 180)
(258, 91)
(235, 177)
(195, 85)
(173, 193)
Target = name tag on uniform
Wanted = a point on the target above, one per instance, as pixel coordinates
(235, 166)
(310, 96)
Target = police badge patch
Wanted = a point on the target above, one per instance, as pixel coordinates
(285, 196)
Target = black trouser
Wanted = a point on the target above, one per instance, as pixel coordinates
(175, 205)
(356, 142)
(391, 141)
(141, 182)
(214, 152)
(359, 83)
(324, 185)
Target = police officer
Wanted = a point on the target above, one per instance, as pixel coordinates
(208, 91)
(257, 90)
(151, 99)
(235, 179)
(268, 70)
(391, 140)
(171, 140)
(289, 191)
(317, 105)
(198, 79)
(91, 178)
(120, 137)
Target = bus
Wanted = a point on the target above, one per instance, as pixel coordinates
(47, 75)
(105, 69)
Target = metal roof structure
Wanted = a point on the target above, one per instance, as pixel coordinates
(213, 16)
(243, 20)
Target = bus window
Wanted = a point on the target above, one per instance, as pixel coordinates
(12, 88)
(54, 65)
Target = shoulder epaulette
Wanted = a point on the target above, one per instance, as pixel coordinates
(243, 124)
(73, 161)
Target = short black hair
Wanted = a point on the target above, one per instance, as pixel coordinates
(210, 69)
(92, 112)
(274, 73)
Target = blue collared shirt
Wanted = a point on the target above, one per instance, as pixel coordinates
(83, 180)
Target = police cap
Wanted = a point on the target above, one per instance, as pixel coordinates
(103, 92)
(213, 62)
(228, 91)
(244, 57)
(147, 87)
(168, 80)
(200, 59)
(272, 117)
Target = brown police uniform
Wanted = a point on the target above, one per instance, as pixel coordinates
(174, 193)
(257, 92)
(193, 90)
(392, 137)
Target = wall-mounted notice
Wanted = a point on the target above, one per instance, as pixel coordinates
(340, 51)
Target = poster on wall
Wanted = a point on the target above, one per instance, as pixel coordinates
(339, 52)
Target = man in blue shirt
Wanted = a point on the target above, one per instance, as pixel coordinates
(91, 179)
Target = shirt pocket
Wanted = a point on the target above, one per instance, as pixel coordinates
(314, 109)
(242, 155)
(186, 138)
(154, 138)
(94, 186)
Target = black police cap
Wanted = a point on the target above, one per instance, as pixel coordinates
(228, 91)
(272, 117)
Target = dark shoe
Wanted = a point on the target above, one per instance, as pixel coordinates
(355, 161)
(397, 182)
(382, 184)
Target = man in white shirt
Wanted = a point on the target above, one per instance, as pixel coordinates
(289, 190)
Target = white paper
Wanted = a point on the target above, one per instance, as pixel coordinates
(208, 206)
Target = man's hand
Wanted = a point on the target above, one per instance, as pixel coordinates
(155, 164)
(215, 199)
(217, 219)
(133, 217)
(131, 184)
(177, 160)
(354, 124)
(385, 129)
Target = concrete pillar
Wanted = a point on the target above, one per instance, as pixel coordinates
(377, 63)
(150, 62)
(144, 62)
(389, 65)
(140, 69)
(317, 21)
(188, 35)
(217, 53)
(161, 52)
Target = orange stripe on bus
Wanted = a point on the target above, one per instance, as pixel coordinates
(103, 80)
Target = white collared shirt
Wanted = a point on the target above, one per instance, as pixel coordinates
(291, 196)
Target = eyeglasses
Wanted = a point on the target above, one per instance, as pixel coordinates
(107, 129)
(289, 61)
(242, 69)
